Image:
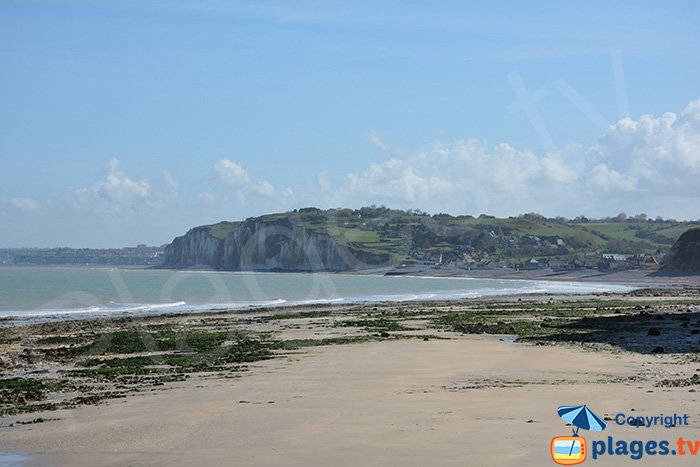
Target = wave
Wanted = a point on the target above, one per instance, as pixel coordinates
(145, 306)
(389, 291)
(91, 310)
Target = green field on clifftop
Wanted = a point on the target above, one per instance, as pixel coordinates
(412, 236)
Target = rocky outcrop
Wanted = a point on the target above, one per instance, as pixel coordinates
(264, 245)
(684, 255)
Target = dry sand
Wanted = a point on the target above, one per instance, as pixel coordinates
(473, 400)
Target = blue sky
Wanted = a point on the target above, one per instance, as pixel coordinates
(125, 122)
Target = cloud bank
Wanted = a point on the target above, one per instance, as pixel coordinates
(650, 164)
(655, 155)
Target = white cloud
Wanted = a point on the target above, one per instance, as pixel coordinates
(171, 185)
(651, 163)
(118, 187)
(235, 177)
(263, 188)
(601, 177)
(117, 192)
(231, 174)
(324, 181)
(24, 204)
(464, 176)
(377, 141)
(660, 155)
(207, 197)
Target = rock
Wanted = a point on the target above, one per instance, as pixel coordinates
(658, 349)
(6, 362)
(683, 382)
(384, 334)
(653, 332)
(684, 255)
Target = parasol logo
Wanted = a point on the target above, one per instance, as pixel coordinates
(571, 450)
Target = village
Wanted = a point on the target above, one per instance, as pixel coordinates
(551, 253)
(140, 255)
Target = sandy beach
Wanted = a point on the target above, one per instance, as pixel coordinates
(414, 393)
(326, 233)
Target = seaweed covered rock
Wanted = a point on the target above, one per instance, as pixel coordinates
(684, 255)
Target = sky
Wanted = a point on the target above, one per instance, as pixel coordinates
(125, 122)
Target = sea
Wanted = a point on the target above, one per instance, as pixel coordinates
(57, 293)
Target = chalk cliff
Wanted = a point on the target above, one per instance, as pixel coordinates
(262, 244)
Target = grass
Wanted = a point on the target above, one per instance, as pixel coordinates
(296, 344)
(372, 325)
(21, 390)
(295, 315)
(395, 233)
(222, 229)
(114, 359)
(79, 339)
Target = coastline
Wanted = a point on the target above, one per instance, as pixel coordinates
(128, 292)
(384, 383)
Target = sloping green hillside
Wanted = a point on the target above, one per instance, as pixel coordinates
(413, 236)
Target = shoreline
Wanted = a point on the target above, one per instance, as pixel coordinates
(538, 285)
(629, 278)
(651, 276)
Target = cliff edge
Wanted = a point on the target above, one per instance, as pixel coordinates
(270, 243)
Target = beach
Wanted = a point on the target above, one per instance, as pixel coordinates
(468, 382)
(348, 234)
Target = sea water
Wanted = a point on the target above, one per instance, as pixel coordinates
(30, 293)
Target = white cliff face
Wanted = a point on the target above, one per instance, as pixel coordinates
(268, 246)
(196, 248)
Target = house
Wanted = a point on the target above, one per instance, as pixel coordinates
(612, 261)
(645, 261)
(571, 265)
(532, 263)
